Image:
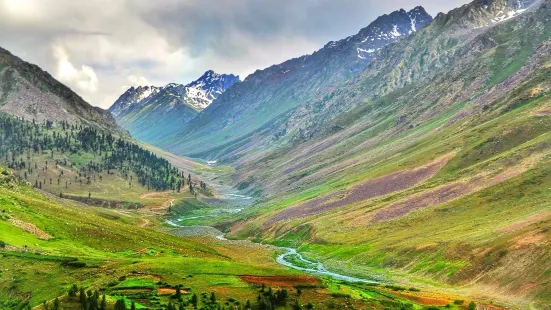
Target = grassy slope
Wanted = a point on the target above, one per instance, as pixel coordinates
(125, 260)
(490, 241)
(457, 242)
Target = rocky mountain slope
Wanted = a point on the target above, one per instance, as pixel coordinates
(29, 92)
(150, 112)
(267, 94)
(432, 164)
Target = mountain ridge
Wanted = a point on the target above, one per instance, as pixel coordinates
(268, 93)
(29, 92)
(141, 110)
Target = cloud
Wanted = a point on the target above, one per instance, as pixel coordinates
(101, 46)
(84, 78)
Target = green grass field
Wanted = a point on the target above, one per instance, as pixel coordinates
(49, 244)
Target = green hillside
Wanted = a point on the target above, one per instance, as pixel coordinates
(431, 168)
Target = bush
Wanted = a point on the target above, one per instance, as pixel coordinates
(395, 288)
(74, 264)
(2, 244)
(5, 172)
(340, 295)
(472, 306)
(458, 302)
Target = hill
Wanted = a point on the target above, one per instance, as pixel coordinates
(29, 92)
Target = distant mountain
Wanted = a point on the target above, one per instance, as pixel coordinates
(29, 92)
(267, 94)
(130, 97)
(150, 112)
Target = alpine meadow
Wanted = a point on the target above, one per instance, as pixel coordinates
(407, 166)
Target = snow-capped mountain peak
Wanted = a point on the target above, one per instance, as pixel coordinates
(198, 94)
(208, 87)
(132, 96)
(388, 28)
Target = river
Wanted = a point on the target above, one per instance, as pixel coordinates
(290, 258)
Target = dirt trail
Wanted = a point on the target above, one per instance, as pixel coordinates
(161, 209)
(155, 195)
(145, 222)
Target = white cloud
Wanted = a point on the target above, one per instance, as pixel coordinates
(138, 81)
(84, 78)
(101, 46)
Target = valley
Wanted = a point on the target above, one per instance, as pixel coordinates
(407, 166)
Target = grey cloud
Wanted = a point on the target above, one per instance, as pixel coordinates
(202, 25)
(125, 41)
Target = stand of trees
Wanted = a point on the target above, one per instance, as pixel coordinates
(20, 140)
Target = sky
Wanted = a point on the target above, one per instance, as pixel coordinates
(100, 48)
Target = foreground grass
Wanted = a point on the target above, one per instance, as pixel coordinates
(49, 244)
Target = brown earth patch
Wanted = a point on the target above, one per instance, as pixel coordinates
(451, 191)
(426, 246)
(30, 228)
(526, 222)
(281, 281)
(527, 288)
(169, 291)
(370, 189)
(528, 240)
(543, 112)
(423, 300)
(440, 195)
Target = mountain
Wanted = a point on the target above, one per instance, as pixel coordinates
(150, 112)
(267, 94)
(433, 163)
(131, 97)
(29, 92)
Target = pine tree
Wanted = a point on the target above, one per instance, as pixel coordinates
(82, 297)
(194, 300)
(73, 290)
(120, 305)
(57, 304)
(103, 304)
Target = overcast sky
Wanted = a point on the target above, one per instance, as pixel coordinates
(101, 47)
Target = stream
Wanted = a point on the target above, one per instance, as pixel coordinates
(290, 258)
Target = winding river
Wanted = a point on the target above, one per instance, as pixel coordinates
(290, 258)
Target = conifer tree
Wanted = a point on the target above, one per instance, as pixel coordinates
(57, 304)
(103, 304)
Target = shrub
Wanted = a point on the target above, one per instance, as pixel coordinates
(340, 295)
(472, 306)
(458, 302)
(2, 244)
(395, 288)
(74, 264)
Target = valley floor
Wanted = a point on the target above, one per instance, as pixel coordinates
(51, 243)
